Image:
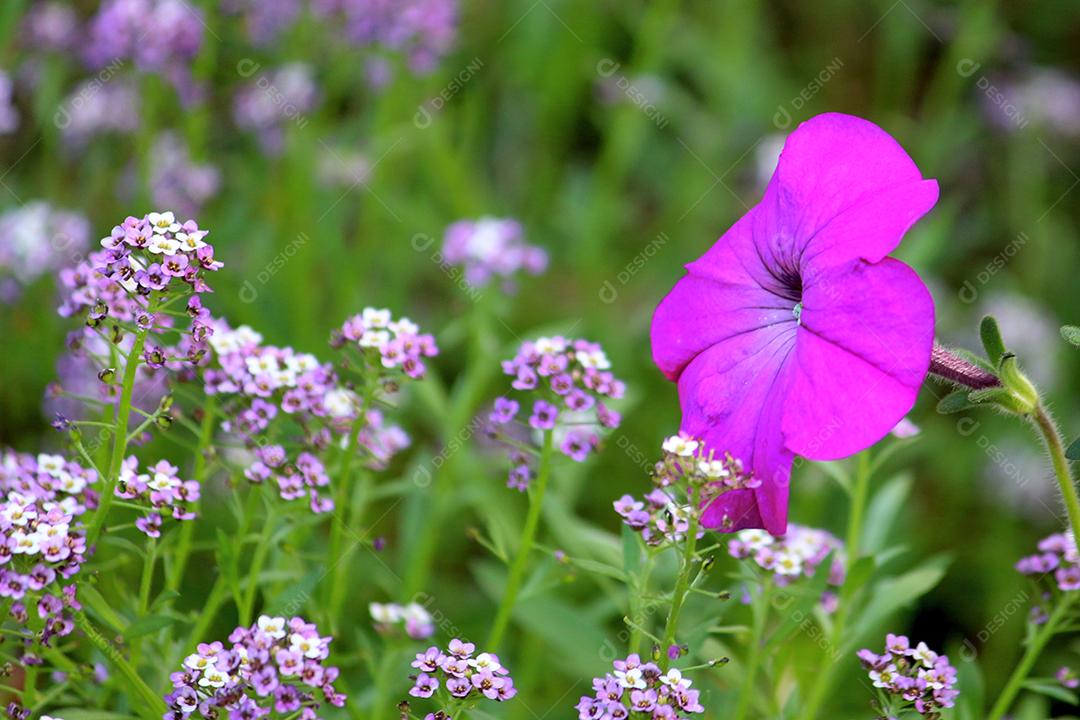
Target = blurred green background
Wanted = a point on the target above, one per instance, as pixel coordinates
(626, 136)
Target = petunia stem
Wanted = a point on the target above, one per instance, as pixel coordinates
(1031, 654)
(950, 366)
(859, 493)
(1056, 449)
(753, 660)
(682, 586)
(528, 536)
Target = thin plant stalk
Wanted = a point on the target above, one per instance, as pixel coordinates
(528, 537)
(682, 588)
(859, 493)
(1056, 449)
(753, 661)
(1031, 654)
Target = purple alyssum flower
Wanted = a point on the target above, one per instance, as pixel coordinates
(639, 690)
(796, 319)
(466, 675)
(490, 248)
(917, 676)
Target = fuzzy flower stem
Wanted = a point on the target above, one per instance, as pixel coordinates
(528, 536)
(949, 366)
(1031, 654)
(120, 437)
(1056, 449)
(682, 586)
(155, 706)
(859, 494)
(761, 612)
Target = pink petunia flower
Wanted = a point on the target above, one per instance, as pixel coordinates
(794, 333)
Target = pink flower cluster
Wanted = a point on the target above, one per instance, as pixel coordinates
(42, 541)
(491, 248)
(264, 386)
(160, 489)
(572, 379)
(146, 262)
(794, 555)
(917, 675)
(466, 677)
(386, 343)
(685, 476)
(1058, 555)
(276, 665)
(640, 690)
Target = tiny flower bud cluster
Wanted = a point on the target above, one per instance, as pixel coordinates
(465, 677)
(276, 665)
(796, 554)
(640, 690)
(687, 473)
(42, 540)
(160, 489)
(572, 379)
(386, 343)
(491, 248)
(915, 675)
(415, 618)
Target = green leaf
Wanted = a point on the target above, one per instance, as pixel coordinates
(805, 596)
(972, 700)
(1050, 690)
(147, 625)
(1073, 451)
(882, 512)
(894, 593)
(226, 554)
(1071, 333)
(991, 339)
(954, 402)
(100, 607)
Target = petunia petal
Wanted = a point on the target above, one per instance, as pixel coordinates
(732, 397)
(832, 164)
(862, 353)
(718, 299)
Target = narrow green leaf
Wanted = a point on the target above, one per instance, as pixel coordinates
(882, 512)
(1050, 690)
(147, 625)
(100, 607)
(1073, 451)
(971, 704)
(631, 546)
(894, 593)
(991, 339)
(954, 402)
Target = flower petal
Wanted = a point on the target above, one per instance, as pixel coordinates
(862, 353)
(720, 297)
(830, 165)
(732, 397)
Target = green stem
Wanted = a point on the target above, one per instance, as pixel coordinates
(682, 586)
(155, 705)
(147, 577)
(257, 562)
(1056, 448)
(120, 437)
(753, 660)
(528, 536)
(859, 493)
(1031, 654)
(637, 604)
(187, 529)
